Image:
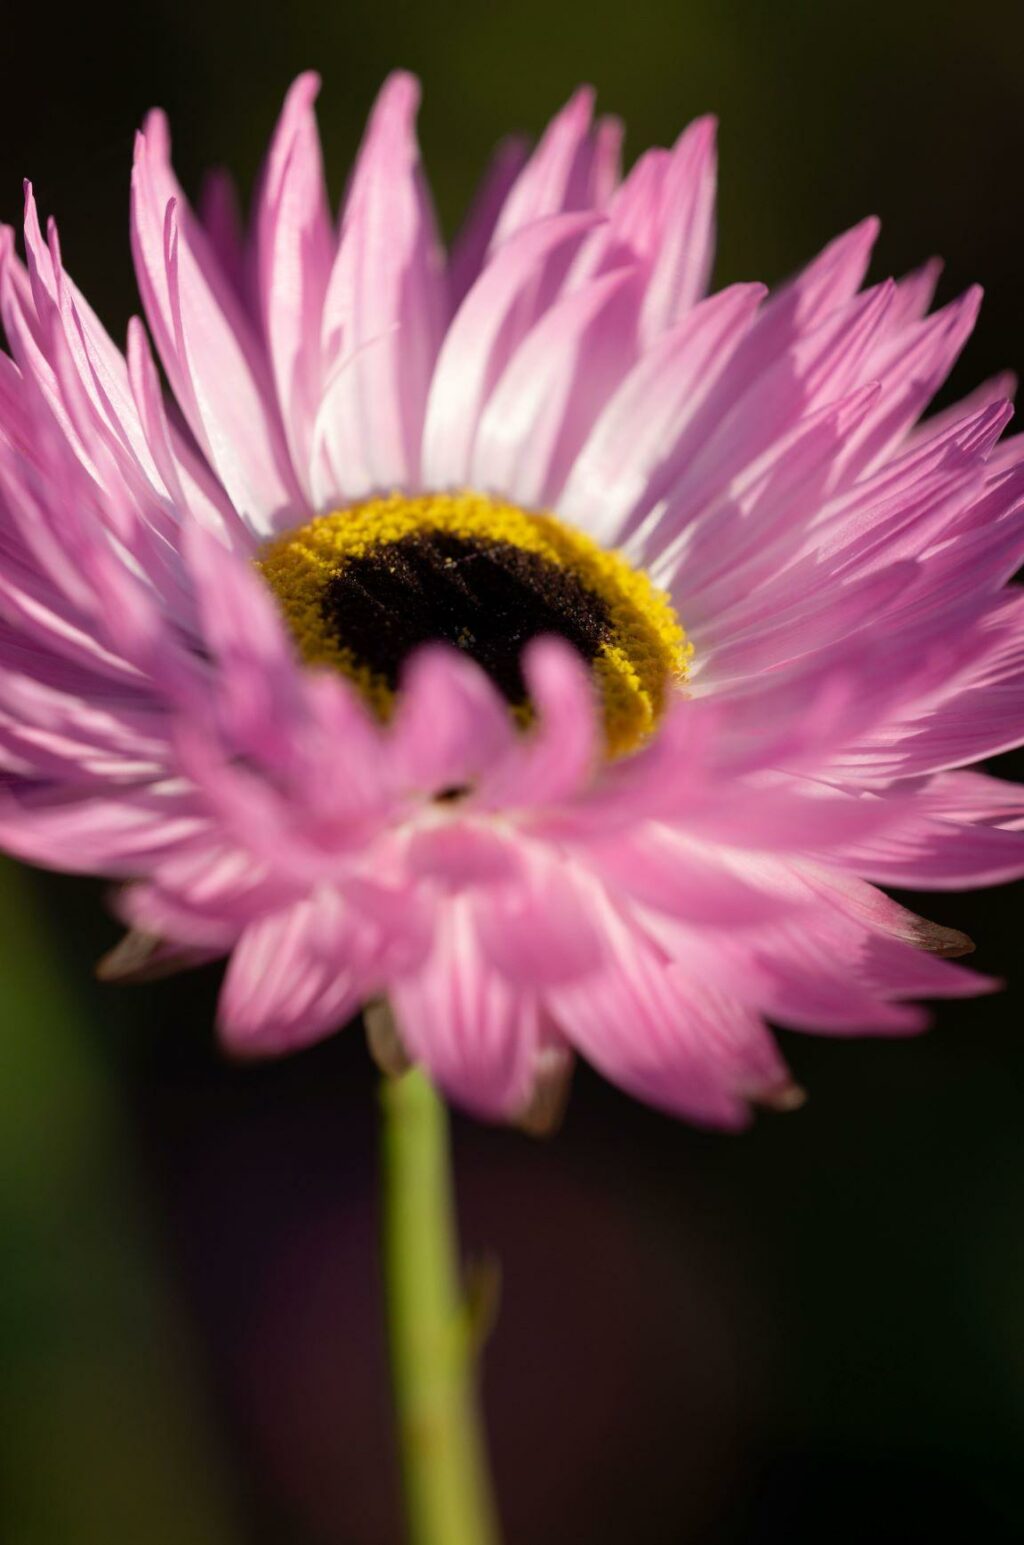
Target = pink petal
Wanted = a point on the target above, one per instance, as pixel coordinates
(671, 872)
(999, 388)
(220, 214)
(120, 834)
(294, 976)
(915, 293)
(555, 179)
(826, 284)
(562, 752)
(686, 252)
(458, 853)
(475, 1032)
(295, 248)
(205, 894)
(470, 245)
(665, 1038)
(497, 314)
(450, 722)
(539, 930)
(911, 369)
(606, 162)
(648, 412)
(709, 541)
(933, 854)
(549, 397)
(188, 481)
(243, 632)
(99, 366)
(741, 423)
(631, 230)
(811, 621)
(384, 312)
(206, 342)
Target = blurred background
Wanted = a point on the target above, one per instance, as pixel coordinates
(815, 1331)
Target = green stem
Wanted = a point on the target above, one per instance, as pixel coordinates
(444, 1464)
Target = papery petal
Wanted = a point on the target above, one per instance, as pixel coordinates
(686, 252)
(555, 178)
(912, 368)
(469, 248)
(294, 259)
(612, 472)
(681, 1046)
(119, 833)
(541, 930)
(294, 976)
(561, 753)
(548, 399)
(671, 871)
(826, 284)
(220, 214)
(495, 317)
(384, 312)
(206, 341)
(450, 723)
(474, 1031)
(935, 854)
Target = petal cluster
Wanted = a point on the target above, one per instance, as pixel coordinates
(841, 565)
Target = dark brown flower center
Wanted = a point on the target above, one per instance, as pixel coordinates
(487, 598)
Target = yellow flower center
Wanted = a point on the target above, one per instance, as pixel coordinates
(364, 586)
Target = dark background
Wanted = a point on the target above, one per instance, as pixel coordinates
(813, 1332)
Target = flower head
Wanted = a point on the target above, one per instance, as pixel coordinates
(519, 635)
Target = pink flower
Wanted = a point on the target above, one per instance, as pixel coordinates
(353, 753)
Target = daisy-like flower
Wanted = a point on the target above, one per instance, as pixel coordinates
(519, 636)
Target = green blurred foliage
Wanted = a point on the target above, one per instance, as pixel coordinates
(104, 1432)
